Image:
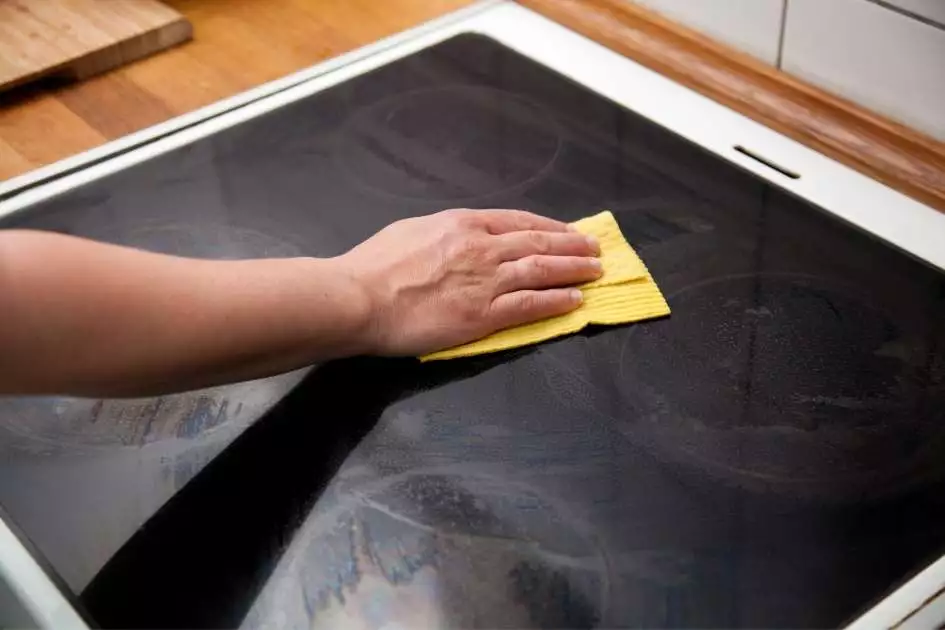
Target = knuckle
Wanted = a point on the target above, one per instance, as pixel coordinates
(539, 241)
(531, 301)
(470, 312)
(518, 218)
(539, 268)
(468, 248)
(459, 217)
(459, 249)
(469, 219)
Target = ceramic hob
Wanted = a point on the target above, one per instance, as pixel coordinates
(768, 456)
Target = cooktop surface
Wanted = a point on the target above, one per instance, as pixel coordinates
(768, 456)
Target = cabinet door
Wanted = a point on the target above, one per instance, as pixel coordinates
(870, 54)
(931, 10)
(753, 26)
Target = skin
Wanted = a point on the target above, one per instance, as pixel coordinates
(91, 319)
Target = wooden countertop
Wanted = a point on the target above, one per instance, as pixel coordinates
(240, 44)
(237, 45)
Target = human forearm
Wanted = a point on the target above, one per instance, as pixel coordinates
(92, 319)
(86, 318)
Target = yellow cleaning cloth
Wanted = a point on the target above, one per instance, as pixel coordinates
(624, 293)
(618, 259)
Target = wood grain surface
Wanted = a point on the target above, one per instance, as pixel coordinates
(896, 155)
(238, 44)
(79, 38)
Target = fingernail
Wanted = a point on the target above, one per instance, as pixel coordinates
(595, 263)
(593, 243)
(572, 228)
(576, 296)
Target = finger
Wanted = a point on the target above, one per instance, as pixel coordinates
(524, 307)
(545, 272)
(515, 245)
(504, 221)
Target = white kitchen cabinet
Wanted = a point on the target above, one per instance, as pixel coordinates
(879, 58)
(753, 26)
(933, 10)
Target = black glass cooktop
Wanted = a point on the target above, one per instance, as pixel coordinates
(769, 456)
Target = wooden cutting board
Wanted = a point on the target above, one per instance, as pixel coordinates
(78, 38)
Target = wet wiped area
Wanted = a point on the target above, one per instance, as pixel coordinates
(81, 476)
(490, 556)
(65, 422)
(768, 456)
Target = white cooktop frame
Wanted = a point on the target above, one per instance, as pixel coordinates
(918, 604)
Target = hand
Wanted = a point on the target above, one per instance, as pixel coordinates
(442, 280)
